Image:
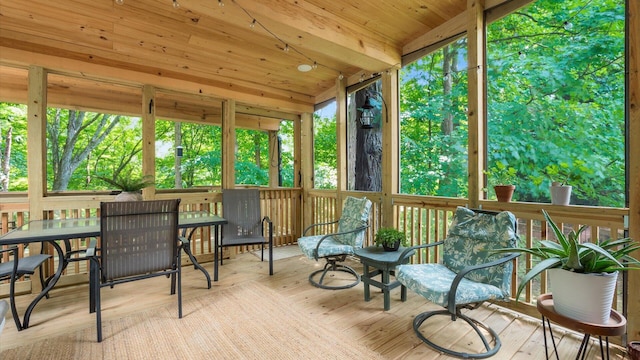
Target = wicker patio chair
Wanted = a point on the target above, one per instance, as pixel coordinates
(138, 240)
(245, 224)
(335, 247)
(15, 269)
(469, 275)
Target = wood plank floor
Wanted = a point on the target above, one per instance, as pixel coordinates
(389, 333)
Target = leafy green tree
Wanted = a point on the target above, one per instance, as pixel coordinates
(325, 152)
(72, 136)
(13, 147)
(555, 79)
(433, 124)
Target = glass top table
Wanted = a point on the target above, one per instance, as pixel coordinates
(64, 230)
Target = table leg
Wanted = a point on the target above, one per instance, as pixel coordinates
(215, 252)
(546, 323)
(50, 284)
(385, 289)
(196, 264)
(365, 273)
(583, 347)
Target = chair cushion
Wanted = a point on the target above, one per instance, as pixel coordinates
(355, 214)
(433, 281)
(329, 247)
(472, 237)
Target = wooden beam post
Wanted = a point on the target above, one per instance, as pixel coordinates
(341, 137)
(228, 144)
(274, 159)
(148, 138)
(477, 95)
(37, 153)
(305, 174)
(633, 161)
(390, 143)
(36, 141)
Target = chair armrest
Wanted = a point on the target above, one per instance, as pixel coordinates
(361, 228)
(91, 249)
(318, 224)
(412, 248)
(468, 269)
(184, 241)
(14, 250)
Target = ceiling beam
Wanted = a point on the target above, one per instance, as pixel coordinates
(307, 28)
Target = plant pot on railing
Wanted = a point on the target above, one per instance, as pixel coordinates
(560, 194)
(504, 193)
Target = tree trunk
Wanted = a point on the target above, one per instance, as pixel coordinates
(368, 167)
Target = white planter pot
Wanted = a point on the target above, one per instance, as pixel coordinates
(583, 297)
(560, 194)
(128, 196)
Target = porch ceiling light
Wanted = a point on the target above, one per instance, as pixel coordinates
(304, 67)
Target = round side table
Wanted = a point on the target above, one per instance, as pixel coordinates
(615, 327)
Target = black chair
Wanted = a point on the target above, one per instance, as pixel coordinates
(470, 273)
(15, 269)
(245, 224)
(139, 240)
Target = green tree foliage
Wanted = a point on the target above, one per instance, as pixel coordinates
(285, 136)
(325, 148)
(13, 147)
(433, 120)
(201, 163)
(555, 78)
(252, 157)
(75, 135)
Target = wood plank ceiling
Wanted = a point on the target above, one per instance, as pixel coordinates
(213, 46)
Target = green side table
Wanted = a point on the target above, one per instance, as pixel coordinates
(384, 263)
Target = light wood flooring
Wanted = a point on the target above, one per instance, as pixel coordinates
(389, 333)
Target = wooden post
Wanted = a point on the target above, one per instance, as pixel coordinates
(37, 153)
(390, 144)
(341, 137)
(305, 177)
(148, 138)
(36, 141)
(477, 95)
(274, 159)
(633, 161)
(228, 144)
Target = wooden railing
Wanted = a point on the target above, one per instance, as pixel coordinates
(423, 219)
(281, 205)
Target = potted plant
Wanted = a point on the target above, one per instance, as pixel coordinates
(560, 191)
(130, 186)
(503, 178)
(582, 275)
(390, 238)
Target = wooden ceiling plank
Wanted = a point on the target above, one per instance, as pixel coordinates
(307, 27)
(20, 56)
(47, 26)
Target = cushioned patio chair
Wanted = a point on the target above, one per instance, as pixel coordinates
(138, 240)
(245, 224)
(335, 247)
(469, 275)
(15, 269)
